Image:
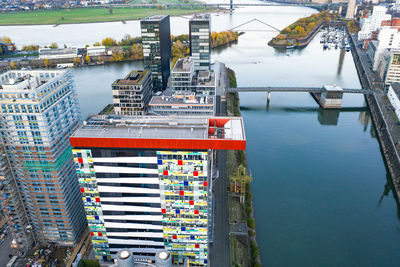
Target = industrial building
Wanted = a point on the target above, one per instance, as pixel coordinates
(57, 53)
(147, 182)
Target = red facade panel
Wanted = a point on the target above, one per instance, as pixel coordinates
(190, 144)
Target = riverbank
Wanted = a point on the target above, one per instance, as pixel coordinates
(90, 15)
(387, 136)
(301, 32)
(243, 243)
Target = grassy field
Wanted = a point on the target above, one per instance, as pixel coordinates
(86, 15)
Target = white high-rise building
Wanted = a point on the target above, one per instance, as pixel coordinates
(374, 22)
(38, 112)
(388, 38)
(350, 9)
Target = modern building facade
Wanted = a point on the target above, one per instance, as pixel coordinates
(388, 38)
(393, 71)
(147, 182)
(182, 76)
(200, 41)
(39, 111)
(351, 7)
(156, 41)
(394, 97)
(132, 94)
(182, 104)
(374, 22)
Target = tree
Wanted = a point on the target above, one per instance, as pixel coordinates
(1, 50)
(109, 42)
(96, 44)
(65, 46)
(240, 179)
(77, 60)
(47, 63)
(53, 45)
(299, 30)
(6, 40)
(12, 64)
(62, 18)
(110, 10)
(87, 58)
(30, 48)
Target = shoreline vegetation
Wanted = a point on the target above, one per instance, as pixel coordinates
(243, 248)
(301, 30)
(127, 49)
(91, 15)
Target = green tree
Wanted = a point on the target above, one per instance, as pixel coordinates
(96, 44)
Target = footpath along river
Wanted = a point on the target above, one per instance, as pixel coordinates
(321, 191)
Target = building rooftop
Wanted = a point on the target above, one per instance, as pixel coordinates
(182, 99)
(183, 65)
(200, 17)
(206, 78)
(24, 80)
(155, 18)
(396, 89)
(332, 88)
(135, 77)
(166, 132)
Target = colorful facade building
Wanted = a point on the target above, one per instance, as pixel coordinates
(146, 182)
(38, 112)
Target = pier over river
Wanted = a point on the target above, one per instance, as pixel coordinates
(322, 194)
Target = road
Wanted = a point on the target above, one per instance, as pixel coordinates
(219, 249)
(5, 250)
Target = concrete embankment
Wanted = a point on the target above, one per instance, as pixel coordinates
(387, 144)
(303, 41)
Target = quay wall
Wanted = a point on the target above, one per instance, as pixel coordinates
(386, 142)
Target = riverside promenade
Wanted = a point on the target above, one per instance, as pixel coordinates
(384, 118)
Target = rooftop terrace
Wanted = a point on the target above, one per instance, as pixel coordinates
(135, 77)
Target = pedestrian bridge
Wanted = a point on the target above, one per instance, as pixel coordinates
(297, 89)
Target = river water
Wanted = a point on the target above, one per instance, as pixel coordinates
(322, 195)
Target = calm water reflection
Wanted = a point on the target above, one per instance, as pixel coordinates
(321, 190)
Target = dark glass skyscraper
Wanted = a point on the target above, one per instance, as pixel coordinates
(156, 40)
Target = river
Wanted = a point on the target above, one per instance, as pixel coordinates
(322, 195)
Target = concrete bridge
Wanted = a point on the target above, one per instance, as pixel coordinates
(297, 89)
(328, 96)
